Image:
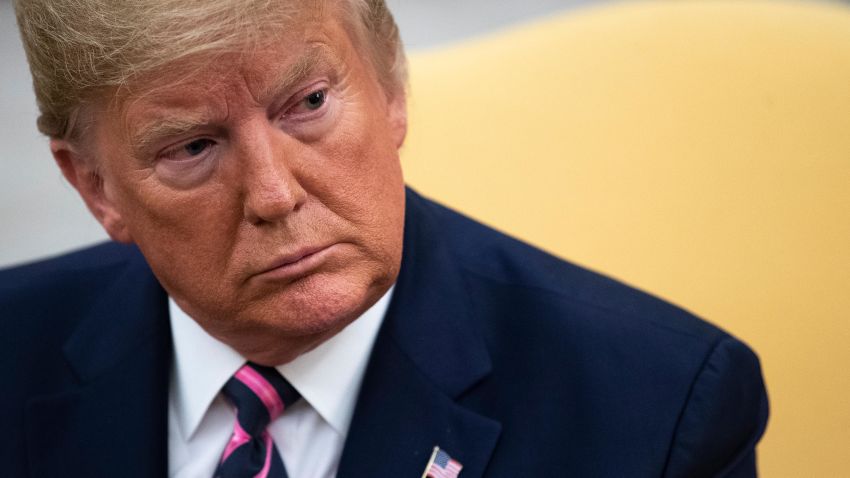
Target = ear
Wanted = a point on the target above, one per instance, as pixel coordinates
(398, 116)
(78, 170)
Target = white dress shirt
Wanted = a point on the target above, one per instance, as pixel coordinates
(310, 434)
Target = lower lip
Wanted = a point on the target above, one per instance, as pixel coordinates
(299, 268)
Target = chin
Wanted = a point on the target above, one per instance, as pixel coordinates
(300, 320)
(282, 324)
(320, 303)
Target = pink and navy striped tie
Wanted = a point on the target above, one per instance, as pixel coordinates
(260, 395)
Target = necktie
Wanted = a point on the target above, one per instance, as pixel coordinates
(260, 395)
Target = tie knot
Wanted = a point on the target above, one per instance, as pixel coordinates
(260, 395)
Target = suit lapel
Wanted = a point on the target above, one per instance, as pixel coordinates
(114, 423)
(427, 354)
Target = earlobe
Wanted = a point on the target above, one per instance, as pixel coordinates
(85, 178)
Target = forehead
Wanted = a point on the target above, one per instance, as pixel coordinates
(192, 90)
(259, 74)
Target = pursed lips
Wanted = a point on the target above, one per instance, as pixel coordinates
(296, 262)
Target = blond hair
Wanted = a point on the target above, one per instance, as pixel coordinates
(80, 50)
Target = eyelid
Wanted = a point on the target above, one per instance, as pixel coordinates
(169, 152)
(303, 93)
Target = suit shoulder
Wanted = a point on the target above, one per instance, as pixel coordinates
(73, 274)
(529, 272)
(625, 370)
(43, 302)
(724, 417)
(95, 256)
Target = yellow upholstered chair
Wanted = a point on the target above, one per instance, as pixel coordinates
(698, 150)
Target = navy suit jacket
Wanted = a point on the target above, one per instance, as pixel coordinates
(516, 363)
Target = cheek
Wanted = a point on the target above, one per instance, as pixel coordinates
(183, 227)
(370, 197)
(355, 171)
(157, 208)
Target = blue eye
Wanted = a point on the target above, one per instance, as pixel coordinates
(315, 100)
(190, 151)
(197, 147)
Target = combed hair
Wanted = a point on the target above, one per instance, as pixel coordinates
(80, 50)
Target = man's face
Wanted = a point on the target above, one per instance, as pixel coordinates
(264, 189)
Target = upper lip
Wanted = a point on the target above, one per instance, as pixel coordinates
(293, 257)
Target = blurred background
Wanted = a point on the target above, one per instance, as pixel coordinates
(699, 150)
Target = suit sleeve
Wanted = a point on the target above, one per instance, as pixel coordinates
(723, 419)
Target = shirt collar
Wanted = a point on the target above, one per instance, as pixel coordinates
(328, 377)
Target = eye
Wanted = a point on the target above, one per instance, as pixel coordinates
(312, 102)
(315, 100)
(311, 113)
(188, 151)
(197, 147)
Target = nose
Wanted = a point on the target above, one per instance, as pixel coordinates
(271, 190)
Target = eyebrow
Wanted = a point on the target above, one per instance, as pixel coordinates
(170, 126)
(286, 79)
(166, 127)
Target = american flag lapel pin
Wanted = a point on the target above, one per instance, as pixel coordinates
(441, 465)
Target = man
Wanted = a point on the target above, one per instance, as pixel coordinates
(276, 303)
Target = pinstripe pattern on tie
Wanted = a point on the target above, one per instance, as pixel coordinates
(259, 395)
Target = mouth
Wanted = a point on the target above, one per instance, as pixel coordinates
(296, 264)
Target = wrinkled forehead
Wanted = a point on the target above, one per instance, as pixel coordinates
(255, 62)
(261, 80)
(192, 84)
(219, 57)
